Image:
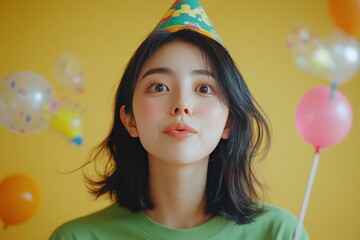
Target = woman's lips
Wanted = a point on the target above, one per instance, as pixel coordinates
(179, 131)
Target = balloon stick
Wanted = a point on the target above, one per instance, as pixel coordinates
(307, 195)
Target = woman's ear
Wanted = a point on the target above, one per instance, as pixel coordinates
(226, 132)
(129, 122)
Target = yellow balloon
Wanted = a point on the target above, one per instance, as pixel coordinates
(67, 121)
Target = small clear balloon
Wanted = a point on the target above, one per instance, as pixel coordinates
(69, 72)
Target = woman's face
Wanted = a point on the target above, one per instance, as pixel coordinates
(177, 113)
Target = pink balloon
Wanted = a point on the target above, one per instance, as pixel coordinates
(323, 117)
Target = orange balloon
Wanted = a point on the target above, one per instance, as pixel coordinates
(346, 15)
(19, 199)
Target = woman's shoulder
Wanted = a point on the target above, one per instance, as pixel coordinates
(277, 214)
(81, 227)
(280, 222)
(274, 223)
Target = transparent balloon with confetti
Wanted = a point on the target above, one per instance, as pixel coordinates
(303, 43)
(27, 102)
(69, 72)
(68, 122)
(335, 58)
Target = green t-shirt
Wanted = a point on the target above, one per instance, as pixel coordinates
(116, 222)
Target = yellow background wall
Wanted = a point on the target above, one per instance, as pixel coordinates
(103, 34)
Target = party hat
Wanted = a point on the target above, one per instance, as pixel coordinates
(188, 14)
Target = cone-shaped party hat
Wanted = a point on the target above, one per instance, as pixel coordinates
(188, 14)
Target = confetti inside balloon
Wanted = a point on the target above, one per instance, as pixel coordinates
(27, 102)
(302, 43)
(69, 72)
(67, 121)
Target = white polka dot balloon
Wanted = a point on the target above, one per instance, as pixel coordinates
(27, 102)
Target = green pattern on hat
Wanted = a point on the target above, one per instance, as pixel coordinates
(188, 14)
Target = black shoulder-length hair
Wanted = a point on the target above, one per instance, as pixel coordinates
(232, 187)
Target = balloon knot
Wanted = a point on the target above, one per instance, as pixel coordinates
(78, 140)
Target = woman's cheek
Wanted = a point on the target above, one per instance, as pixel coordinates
(151, 109)
(215, 113)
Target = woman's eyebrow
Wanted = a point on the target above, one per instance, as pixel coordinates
(158, 70)
(203, 72)
(171, 72)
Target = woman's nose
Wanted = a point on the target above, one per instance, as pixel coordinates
(182, 106)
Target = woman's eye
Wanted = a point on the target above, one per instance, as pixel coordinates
(204, 89)
(158, 87)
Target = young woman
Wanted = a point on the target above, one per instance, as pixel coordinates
(185, 133)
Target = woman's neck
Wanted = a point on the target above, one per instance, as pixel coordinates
(178, 193)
